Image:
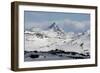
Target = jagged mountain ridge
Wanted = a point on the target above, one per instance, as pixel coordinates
(55, 28)
(52, 38)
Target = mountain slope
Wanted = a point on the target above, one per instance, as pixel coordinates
(55, 38)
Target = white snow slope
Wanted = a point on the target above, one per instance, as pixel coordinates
(55, 38)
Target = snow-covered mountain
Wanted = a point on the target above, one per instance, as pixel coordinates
(55, 31)
(53, 27)
(55, 38)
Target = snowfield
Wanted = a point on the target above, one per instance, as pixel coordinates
(55, 38)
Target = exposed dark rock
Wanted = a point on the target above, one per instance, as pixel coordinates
(73, 53)
(35, 51)
(82, 54)
(34, 56)
(25, 52)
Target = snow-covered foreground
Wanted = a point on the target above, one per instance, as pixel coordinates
(55, 38)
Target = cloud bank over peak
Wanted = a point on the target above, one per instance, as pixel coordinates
(69, 22)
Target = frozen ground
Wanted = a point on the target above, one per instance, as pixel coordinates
(53, 55)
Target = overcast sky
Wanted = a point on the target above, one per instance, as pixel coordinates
(69, 22)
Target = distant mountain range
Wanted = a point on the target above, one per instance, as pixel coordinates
(54, 37)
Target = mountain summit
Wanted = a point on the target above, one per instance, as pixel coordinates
(55, 27)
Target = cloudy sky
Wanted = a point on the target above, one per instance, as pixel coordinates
(69, 22)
